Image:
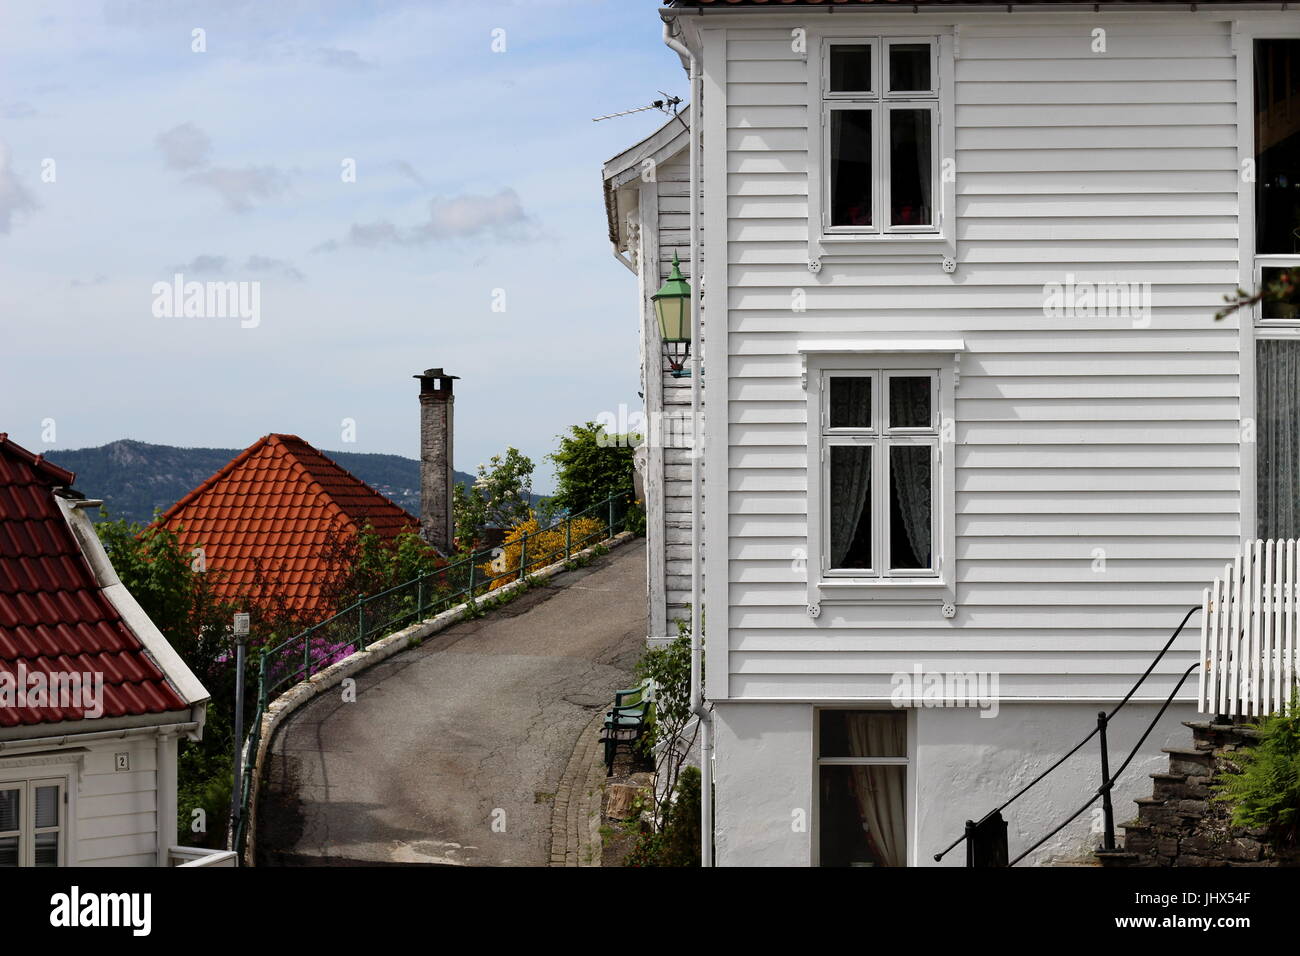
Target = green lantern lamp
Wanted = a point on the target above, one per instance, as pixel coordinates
(673, 307)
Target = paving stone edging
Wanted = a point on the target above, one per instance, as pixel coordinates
(575, 818)
(382, 649)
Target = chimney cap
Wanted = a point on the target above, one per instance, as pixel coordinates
(434, 373)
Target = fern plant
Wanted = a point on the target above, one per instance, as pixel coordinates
(1265, 792)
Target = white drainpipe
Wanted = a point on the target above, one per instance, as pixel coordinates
(697, 581)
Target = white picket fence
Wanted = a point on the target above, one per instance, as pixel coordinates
(1249, 631)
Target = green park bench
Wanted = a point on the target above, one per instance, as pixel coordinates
(627, 720)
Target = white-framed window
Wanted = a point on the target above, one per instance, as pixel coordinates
(33, 822)
(880, 136)
(880, 481)
(1276, 240)
(864, 778)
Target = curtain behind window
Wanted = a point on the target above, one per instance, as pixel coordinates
(1277, 424)
(880, 791)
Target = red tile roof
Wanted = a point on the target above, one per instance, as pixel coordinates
(54, 615)
(274, 508)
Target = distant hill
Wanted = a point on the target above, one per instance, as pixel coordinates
(135, 479)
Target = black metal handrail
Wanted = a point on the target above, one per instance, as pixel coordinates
(1108, 780)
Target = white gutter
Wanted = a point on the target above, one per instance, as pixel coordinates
(62, 740)
(692, 62)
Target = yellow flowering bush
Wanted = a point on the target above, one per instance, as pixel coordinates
(544, 547)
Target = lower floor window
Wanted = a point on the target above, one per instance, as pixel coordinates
(862, 787)
(31, 823)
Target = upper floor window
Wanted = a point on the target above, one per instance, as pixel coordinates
(880, 99)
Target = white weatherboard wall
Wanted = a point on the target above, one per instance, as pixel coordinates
(1075, 437)
(673, 236)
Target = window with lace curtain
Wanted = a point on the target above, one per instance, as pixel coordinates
(880, 485)
(880, 438)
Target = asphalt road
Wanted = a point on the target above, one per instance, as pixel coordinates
(452, 751)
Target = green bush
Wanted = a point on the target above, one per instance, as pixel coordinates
(678, 842)
(1265, 792)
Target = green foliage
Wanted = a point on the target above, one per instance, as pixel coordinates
(677, 843)
(370, 564)
(592, 465)
(1282, 294)
(1266, 790)
(165, 578)
(499, 498)
(670, 668)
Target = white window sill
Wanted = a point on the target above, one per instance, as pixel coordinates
(890, 591)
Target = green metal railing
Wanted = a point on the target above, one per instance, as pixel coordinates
(358, 626)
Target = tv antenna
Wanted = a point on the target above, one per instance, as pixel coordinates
(668, 105)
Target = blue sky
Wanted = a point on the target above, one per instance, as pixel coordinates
(476, 171)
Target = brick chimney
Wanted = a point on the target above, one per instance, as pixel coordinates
(436, 417)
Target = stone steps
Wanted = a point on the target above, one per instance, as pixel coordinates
(1180, 825)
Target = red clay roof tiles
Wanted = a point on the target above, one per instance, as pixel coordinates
(273, 508)
(54, 616)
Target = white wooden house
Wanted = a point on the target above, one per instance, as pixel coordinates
(975, 440)
(93, 699)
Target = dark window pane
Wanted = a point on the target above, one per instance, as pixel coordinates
(47, 807)
(909, 401)
(862, 816)
(10, 810)
(8, 851)
(910, 168)
(909, 67)
(909, 518)
(1277, 437)
(850, 68)
(863, 733)
(850, 167)
(1288, 305)
(850, 506)
(1277, 146)
(850, 402)
(47, 849)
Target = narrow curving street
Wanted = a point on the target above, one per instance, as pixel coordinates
(453, 751)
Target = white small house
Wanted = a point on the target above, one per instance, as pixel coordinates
(975, 440)
(93, 699)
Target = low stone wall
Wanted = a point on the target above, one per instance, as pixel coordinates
(382, 649)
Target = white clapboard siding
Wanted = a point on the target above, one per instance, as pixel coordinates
(1097, 460)
(1249, 633)
(117, 811)
(673, 192)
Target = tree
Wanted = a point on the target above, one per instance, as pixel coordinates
(501, 497)
(1281, 292)
(591, 465)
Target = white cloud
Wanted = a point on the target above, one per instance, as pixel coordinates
(14, 197)
(240, 187)
(500, 216)
(184, 147)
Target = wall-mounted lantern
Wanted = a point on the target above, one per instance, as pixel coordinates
(673, 306)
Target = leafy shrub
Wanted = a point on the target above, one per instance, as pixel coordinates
(544, 547)
(678, 842)
(1265, 792)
